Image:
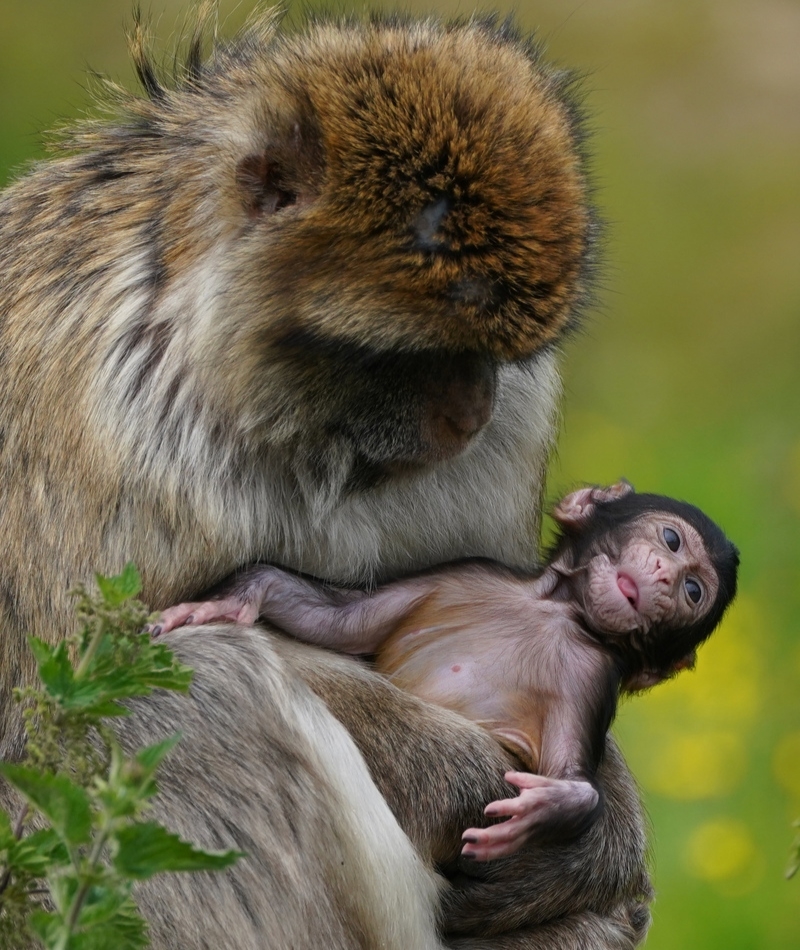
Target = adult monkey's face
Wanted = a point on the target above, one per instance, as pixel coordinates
(405, 233)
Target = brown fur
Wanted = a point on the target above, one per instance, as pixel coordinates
(439, 772)
(177, 369)
(267, 313)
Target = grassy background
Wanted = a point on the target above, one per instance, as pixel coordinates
(686, 382)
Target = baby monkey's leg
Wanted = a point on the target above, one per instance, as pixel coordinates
(353, 621)
(546, 807)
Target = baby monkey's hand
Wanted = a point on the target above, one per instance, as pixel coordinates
(544, 806)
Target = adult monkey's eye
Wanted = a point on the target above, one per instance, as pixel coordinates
(672, 539)
(693, 589)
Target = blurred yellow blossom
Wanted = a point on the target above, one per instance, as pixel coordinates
(696, 765)
(690, 738)
(727, 686)
(723, 852)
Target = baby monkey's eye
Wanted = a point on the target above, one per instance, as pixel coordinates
(693, 589)
(672, 539)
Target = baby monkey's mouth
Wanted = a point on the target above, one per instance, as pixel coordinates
(629, 589)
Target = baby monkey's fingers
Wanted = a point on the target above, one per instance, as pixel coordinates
(195, 613)
(535, 794)
(531, 780)
(544, 805)
(497, 841)
(548, 806)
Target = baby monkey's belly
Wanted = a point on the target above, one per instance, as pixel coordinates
(434, 666)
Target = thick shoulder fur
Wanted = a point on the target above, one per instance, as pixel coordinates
(301, 303)
(222, 305)
(239, 314)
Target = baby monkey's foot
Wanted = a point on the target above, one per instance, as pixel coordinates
(544, 804)
(205, 611)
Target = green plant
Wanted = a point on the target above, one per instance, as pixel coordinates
(70, 857)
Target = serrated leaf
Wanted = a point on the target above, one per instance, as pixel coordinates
(101, 904)
(47, 927)
(100, 690)
(91, 696)
(63, 889)
(178, 679)
(64, 804)
(156, 665)
(121, 587)
(111, 678)
(55, 667)
(153, 755)
(124, 930)
(39, 851)
(145, 849)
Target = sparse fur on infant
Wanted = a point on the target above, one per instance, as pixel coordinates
(634, 584)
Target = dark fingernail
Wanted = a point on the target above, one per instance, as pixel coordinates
(469, 857)
(469, 839)
(156, 631)
(189, 620)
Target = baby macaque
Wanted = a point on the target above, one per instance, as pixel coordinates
(632, 586)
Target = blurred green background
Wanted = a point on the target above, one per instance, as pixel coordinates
(686, 380)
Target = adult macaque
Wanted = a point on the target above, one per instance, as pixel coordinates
(634, 584)
(302, 304)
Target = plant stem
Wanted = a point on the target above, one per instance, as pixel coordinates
(94, 643)
(80, 896)
(19, 824)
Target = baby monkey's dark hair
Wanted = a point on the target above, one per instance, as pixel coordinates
(664, 645)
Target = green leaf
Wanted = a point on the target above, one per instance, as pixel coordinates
(101, 904)
(64, 889)
(64, 804)
(116, 590)
(112, 922)
(48, 927)
(38, 852)
(145, 849)
(55, 667)
(153, 755)
(155, 664)
(97, 693)
(123, 930)
(118, 673)
(7, 837)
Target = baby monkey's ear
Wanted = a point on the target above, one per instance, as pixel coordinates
(576, 508)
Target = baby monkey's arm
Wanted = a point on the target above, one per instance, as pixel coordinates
(353, 621)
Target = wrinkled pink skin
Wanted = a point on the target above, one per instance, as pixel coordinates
(463, 662)
(209, 611)
(540, 798)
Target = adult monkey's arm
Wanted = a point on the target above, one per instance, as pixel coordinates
(273, 775)
(438, 771)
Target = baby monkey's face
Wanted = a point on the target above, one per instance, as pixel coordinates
(654, 571)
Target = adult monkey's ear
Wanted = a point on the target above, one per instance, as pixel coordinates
(575, 509)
